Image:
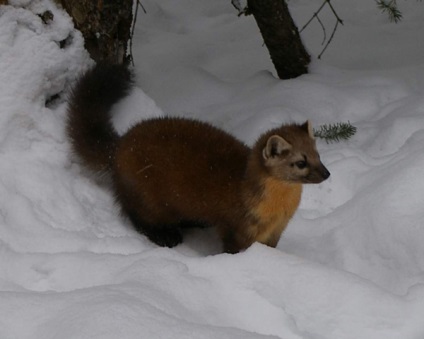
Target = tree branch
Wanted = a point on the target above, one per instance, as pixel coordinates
(316, 16)
(133, 27)
(329, 40)
(242, 10)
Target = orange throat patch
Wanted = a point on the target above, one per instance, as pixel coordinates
(278, 204)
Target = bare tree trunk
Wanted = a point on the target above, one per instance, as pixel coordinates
(105, 25)
(281, 37)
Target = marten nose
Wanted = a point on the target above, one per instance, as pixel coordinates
(324, 172)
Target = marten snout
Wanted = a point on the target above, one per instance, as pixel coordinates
(317, 174)
(325, 173)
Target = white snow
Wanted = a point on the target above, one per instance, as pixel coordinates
(350, 264)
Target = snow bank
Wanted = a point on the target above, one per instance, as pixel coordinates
(351, 263)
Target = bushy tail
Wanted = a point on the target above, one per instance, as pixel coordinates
(89, 123)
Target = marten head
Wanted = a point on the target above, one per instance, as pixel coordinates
(289, 153)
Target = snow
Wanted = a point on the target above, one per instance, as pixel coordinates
(350, 264)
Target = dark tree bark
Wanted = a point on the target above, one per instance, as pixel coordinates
(281, 37)
(105, 25)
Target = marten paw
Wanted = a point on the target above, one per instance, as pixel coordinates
(165, 236)
(236, 242)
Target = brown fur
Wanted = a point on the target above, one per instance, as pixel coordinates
(172, 173)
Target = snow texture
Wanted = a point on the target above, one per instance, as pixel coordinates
(351, 263)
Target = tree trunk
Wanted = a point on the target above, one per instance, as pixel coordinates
(105, 25)
(281, 37)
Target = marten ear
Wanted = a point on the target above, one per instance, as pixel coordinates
(307, 126)
(275, 146)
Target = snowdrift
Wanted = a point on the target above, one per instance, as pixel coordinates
(351, 263)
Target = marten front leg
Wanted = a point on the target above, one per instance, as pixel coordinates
(235, 241)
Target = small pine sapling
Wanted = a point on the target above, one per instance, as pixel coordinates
(390, 7)
(335, 132)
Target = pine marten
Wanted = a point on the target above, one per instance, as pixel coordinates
(170, 173)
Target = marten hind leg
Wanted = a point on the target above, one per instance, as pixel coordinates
(166, 235)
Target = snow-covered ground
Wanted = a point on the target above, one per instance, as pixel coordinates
(351, 263)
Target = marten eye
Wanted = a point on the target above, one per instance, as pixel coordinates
(301, 164)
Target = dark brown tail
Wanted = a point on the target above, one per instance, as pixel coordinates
(89, 123)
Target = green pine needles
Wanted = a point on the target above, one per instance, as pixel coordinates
(335, 132)
(390, 7)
